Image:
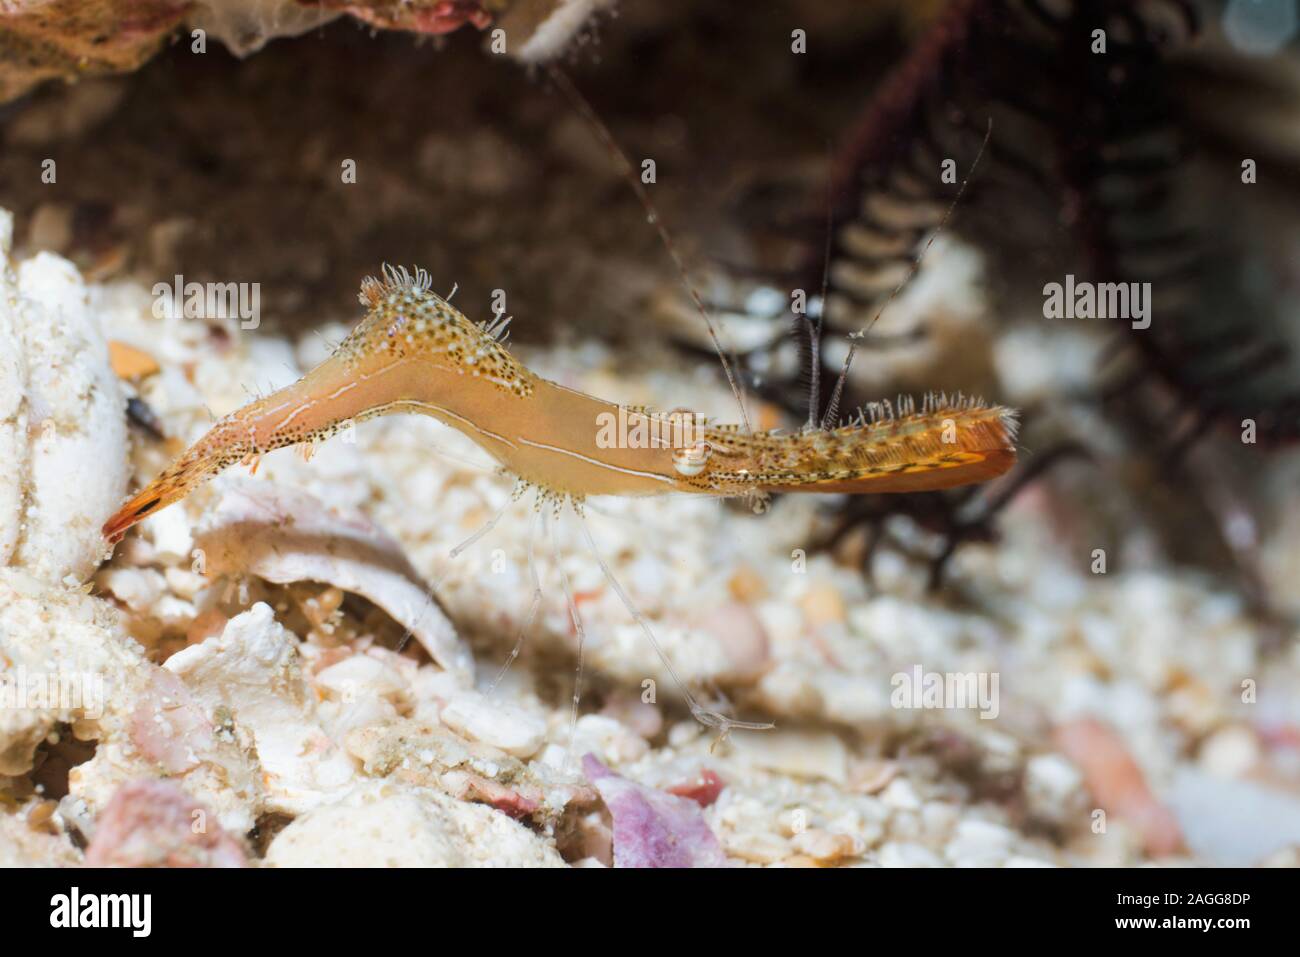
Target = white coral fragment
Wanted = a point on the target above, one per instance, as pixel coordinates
(498, 723)
(62, 424)
(253, 673)
(63, 660)
(383, 825)
(551, 27)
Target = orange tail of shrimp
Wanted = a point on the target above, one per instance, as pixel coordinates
(889, 449)
(945, 445)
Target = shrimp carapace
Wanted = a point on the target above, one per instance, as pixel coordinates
(415, 352)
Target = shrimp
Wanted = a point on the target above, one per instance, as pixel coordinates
(415, 352)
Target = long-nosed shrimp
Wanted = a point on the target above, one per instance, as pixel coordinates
(415, 352)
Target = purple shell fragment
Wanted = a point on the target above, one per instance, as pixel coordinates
(653, 828)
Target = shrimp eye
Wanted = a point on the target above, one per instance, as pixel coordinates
(691, 461)
(685, 425)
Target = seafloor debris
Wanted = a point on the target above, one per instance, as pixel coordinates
(72, 39)
(389, 825)
(155, 824)
(265, 684)
(245, 655)
(46, 39)
(653, 828)
(62, 433)
(285, 536)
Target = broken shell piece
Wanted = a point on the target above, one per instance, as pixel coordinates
(156, 824)
(1054, 790)
(1117, 782)
(608, 739)
(979, 843)
(253, 673)
(703, 787)
(21, 845)
(426, 756)
(382, 825)
(128, 362)
(822, 604)
(506, 726)
(825, 847)
(507, 800)
(358, 675)
(169, 728)
(285, 535)
(743, 639)
(142, 717)
(140, 589)
(165, 727)
(800, 754)
(759, 848)
(65, 650)
(653, 828)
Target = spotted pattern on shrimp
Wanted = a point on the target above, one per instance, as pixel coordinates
(884, 439)
(405, 318)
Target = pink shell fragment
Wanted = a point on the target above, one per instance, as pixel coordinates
(703, 788)
(156, 824)
(1117, 782)
(445, 16)
(653, 828)
(511, 801)
(168, 726)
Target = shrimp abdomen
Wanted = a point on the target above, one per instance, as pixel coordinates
(946, 445)
(930, 475)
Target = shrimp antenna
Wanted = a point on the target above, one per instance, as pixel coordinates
(579, 630)
(430, 596)
(533, 606)
(705, 716)
(815, 330)
(565, 85)
(832, 408)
